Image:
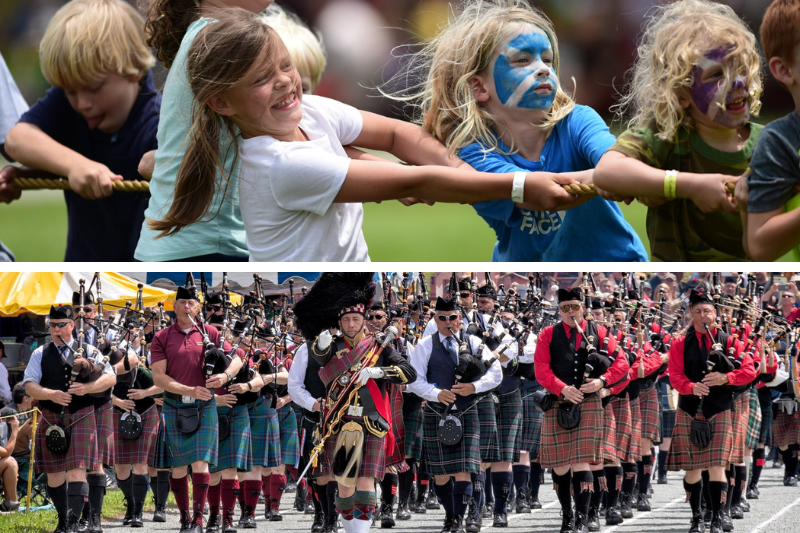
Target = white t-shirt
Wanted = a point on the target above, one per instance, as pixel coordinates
(286, 190)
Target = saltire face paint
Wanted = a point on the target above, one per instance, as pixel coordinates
(523, 71)
(722, 100)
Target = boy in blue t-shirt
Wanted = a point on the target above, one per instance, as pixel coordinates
(772, 222)
(95, 124)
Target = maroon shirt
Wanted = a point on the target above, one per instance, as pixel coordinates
(183, 353)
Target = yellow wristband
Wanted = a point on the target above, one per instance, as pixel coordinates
(671, 184)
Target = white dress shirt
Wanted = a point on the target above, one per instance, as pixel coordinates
(297, 380)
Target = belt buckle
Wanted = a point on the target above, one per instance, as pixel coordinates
(187, 399)
(355, 410)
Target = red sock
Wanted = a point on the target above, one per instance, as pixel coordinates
(229, 487)
(213, 498)
(252, 490)
(277, 484)
(200, 483)
(180, 488)
(266, 487)
(293, 472)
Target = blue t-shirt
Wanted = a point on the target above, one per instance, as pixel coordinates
(106, 229)
(593, 231)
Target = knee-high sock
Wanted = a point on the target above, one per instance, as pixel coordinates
(462, 494)
(630, 471)
(404, 482)
(693, 493)
(488, 494)
(180, 488)
(345, 506)
(563, 487)
(583, 486)
(614, 476)
(501, 486)
(330, 500)
(719, 494)
(645, 470)
(445, 495)
(214, 498)
(139, 486)
(163, 488)
(796, 448)
(77, 496)
(200, 483)
(58, 495)
(536, 478)
(422, 482)
(706, 488)
(662, 462)
(521, 475)
(364, 505)
(789, 461)
(730, 474)
(600, 486)
(389, 488)
(228, 490)
(315, 490)
(252, 490)
(758, 465)
(97, 491)
(126, 486)
(740, 481)
(277, 486)
(478, 488)
(266, 489)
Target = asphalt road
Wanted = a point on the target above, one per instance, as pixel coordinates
(776, 511)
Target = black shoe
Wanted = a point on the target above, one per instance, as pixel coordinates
(412, 505)
(403, 513)
(186, 521)
(708, 516)
(212, 526)
(487, 511)
(94, 523)
(448, 524)
(643, 503)
(725, 522)
(458, 525)
(196, 527)
(310, 507)
(82, 526)
(433, 501)
(250, 521)
(593, 520)
(581, 523)
(500, 520)
(267, 516)
(790, 481)
(126, 520)
(386, 516)
(300, 499)
(662, 479)
(737, 513)
(227, 524)
(745, 505)
(752, 492)
(473, 520)
(698, 524)
(61, 527)
(534, 502)
(716, 524)
(523, 505)
(276, 516)
(613, 518)
(137, 520)
(625, 505)
(160, 514)
(567, 521)
(319, 523)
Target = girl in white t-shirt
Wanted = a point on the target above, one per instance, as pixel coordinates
(299, 194)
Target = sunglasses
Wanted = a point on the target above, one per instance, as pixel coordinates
(77, 309)
(445, 318)
(59, 324)
(376, 317)
(788, 296)
(566, 307)
(215, 307)
(465, 294)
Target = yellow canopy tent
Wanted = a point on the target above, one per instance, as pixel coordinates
(35, 292)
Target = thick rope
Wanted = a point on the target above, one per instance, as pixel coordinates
(63, 184)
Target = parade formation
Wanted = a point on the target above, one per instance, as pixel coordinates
(464, 397)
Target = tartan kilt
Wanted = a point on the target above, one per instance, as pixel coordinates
(373, 460)
(235, 451)
(82, 452)
(273, 434)
(584, 444)
(765, 403)
(531, 427)
(636, 434)
(412, 422)
(786, 429)
(509, 425)
(398, 428)
(465, 456)
(140, 450)
(202, 445)
(257, 413)
(610, 434)
(667, 423)
(754, 420)
(290, 445)
(161, 456)
(741, 408)
(650, 410)
(623, 440)
(683, 455)
(487, 424)
(104, 419)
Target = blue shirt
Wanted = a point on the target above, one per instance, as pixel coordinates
(106, 229)
(593, 231)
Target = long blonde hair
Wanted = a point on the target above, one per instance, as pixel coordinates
(437, 79)
(675, 38)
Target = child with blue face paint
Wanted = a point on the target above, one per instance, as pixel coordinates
(694, 85)
(491, 93)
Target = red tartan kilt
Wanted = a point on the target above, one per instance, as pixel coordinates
(584, 444)
(82, 452)
(398, 427)
(786, 429)
(651, 414)
(137, 451)
(623, 440)
(636, 433)
(104, 418)
(610, 430)
(373, 460)
(741, 412)
(683, 455)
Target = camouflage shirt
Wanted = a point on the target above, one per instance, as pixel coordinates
(678, 230)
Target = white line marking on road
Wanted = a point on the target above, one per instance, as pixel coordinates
(762, 525)
(545, 506)
(628, 521)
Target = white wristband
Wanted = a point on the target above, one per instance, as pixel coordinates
(518, 188)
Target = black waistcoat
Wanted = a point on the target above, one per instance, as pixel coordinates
(442, 370)
(567, 363)
(312, 381)
(56, 375)
(720, 398)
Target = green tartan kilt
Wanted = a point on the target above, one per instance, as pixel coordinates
(412, 421)
(235, 451)
(509, 425)
(161, 457)
(753, 421)
(532, 426)
(273, 433)
(487, 422)
(202, 445)
(462, 457)
(290, 444)
(257, 413)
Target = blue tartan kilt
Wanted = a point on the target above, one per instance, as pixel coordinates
(465, 456)
(235, 451)
(532, 426)
(202, 445)
(413, 441)
(487, 422)
(509, 425)
(161, 456)
(667, 423)
(273, 433)
(753, 421)
(290, 444)
(257, 412)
